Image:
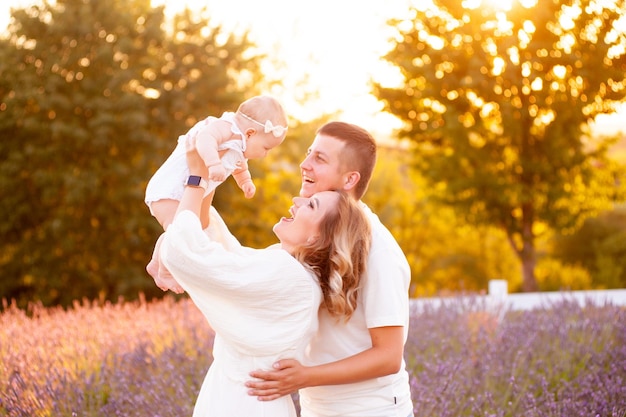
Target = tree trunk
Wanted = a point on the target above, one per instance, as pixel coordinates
(529, 283)
(528, 255)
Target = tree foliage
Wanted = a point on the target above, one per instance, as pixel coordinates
(441, 251)
(87, 90)
(93, 96)
(599, 247)
(498, 103)
(445, 254)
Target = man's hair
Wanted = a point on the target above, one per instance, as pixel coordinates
(339, 256)
(359, 151)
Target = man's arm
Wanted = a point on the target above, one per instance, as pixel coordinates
(383, 358)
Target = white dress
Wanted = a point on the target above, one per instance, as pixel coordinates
(262, 304)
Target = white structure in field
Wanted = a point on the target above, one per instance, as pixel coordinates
(498, 298)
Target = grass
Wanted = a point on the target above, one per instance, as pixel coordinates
(149, 359)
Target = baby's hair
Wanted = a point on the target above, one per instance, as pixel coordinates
(262, 108)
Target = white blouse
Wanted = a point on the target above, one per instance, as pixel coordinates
(262, 304)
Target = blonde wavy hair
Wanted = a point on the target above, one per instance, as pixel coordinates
(339, 256)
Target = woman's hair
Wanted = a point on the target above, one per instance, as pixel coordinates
(358, 153)
(339, 256)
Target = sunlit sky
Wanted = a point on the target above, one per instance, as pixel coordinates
(329, 47)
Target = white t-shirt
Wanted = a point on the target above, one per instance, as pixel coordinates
(262, 304)
(382, 301)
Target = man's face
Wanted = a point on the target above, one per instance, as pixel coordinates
(321, 170)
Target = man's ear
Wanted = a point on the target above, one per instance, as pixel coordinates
(351, 179)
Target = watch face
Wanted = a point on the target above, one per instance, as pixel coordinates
(194, 180)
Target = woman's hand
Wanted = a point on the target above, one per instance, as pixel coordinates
(194, 161)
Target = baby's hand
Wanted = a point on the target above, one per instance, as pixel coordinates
(217, 173)
(248, 189)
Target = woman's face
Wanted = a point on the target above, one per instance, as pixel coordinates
(306, 216)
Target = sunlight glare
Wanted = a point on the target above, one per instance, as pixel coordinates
(559, 71)
(330, 50)
(513, 53)
(528, 4)
(325, 54)
(529, 27)
(498, 66)
(498, 5)
(503, 5)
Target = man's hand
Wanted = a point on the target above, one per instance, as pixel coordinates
(288, 376)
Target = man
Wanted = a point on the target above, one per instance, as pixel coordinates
(355, 368)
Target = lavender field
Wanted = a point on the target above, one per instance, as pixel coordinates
(148, 359)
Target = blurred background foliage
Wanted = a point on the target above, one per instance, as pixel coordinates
(492, 177)
(497, 107)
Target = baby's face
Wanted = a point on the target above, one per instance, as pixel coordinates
(259, 144)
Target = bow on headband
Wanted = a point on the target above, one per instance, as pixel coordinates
(268, 127)
(277, 130)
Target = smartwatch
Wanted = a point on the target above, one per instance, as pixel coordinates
(197, 181)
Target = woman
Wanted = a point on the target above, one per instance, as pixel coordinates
(263, 303)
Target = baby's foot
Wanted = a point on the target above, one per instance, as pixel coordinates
(153, 268)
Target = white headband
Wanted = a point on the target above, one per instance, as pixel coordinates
(277, 130)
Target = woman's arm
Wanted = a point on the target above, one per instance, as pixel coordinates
(192, 196)
(193, 200)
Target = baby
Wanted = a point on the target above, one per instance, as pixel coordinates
(225, 145)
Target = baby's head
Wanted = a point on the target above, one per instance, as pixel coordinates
(264, 122)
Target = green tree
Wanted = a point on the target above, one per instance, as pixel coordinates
(441, 251)
(498, 104)
(92, 96)
(599, 246)
(444, 253)
(201, 71)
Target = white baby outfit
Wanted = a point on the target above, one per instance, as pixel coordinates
(168, 182)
